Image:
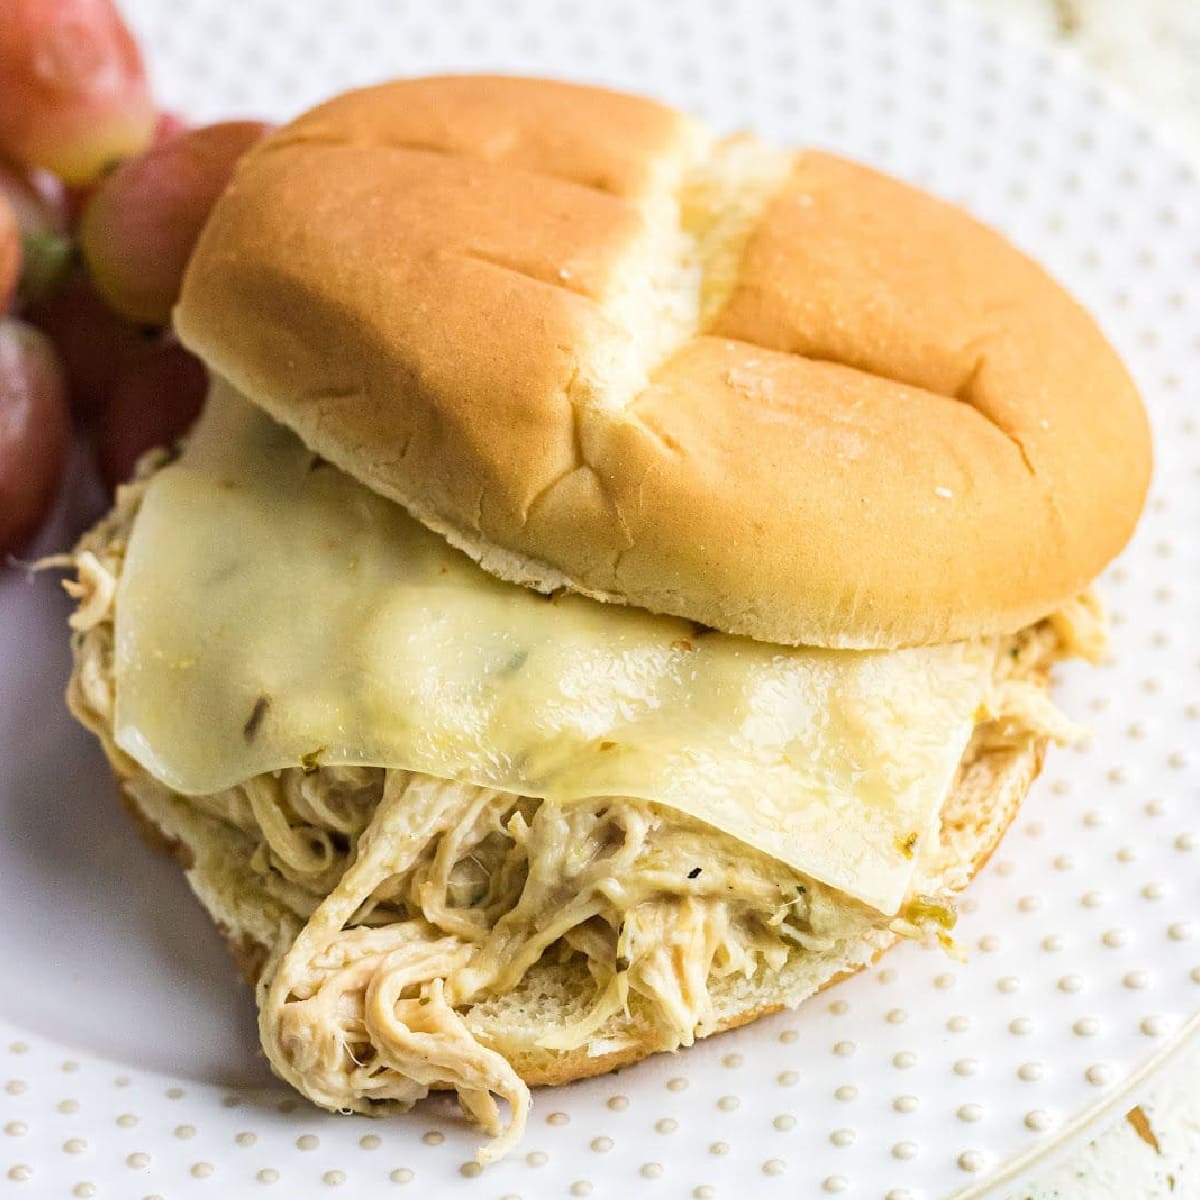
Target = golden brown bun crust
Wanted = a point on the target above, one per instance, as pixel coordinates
(829, 409)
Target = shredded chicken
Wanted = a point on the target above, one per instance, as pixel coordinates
(416, 898)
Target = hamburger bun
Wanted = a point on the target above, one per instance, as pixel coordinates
(774, 392)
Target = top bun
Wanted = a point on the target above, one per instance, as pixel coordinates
(774, 392)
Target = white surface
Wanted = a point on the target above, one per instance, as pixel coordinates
(1150, 48)
(917, 1080)
(1123, 1164)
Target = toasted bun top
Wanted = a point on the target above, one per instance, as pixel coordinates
(777, 393)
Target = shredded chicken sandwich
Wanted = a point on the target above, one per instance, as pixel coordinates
(611, 590)
(415, 899)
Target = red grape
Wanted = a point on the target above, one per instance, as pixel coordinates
(34, 431)
(93, 341)
(73, 92)
(158, 394)
(10, 254)
(167, 125)
(139, 228)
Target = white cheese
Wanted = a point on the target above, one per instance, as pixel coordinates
(274, 612)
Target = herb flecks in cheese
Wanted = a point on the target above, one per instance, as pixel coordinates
(251, 577)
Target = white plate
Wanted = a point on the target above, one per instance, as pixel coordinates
(126, 1047)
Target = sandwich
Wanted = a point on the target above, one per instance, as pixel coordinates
(611, 591)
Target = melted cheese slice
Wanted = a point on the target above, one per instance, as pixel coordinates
(273, 612)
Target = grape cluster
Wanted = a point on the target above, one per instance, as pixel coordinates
(102, 197)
